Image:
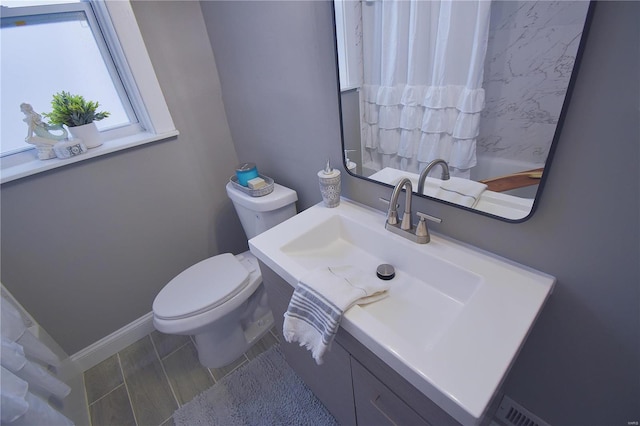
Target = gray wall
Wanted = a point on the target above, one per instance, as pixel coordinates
(277, 62)
(86, 248)
(580, 363)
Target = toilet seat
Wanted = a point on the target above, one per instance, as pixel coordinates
(196, 323)
(201, 288)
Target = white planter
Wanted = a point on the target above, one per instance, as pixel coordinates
(88, 134)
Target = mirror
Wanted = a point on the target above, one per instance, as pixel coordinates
(491, 106)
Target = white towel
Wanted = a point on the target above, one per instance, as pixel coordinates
(465, 192)
(319, 301)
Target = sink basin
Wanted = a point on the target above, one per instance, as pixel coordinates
(426, 295)
(455, 316)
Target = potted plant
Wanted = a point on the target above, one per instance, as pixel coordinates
(78, 115)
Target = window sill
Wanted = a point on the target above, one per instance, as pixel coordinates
(26, 163)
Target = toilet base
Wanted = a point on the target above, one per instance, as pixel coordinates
(213, 347)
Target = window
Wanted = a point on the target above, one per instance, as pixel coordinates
(348, 16)
(89, 48)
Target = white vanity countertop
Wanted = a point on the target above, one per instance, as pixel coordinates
(455, 318)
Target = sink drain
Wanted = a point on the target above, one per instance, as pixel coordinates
(386, 271)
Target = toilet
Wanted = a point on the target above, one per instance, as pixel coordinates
(221, 300)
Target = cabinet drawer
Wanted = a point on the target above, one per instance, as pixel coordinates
(376, 404)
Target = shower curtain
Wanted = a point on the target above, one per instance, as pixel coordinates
(25, 381)
(422, 90)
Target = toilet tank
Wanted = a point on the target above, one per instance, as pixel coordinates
(257, 214)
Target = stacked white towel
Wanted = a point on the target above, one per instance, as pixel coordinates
(320, 300)
(465, 192)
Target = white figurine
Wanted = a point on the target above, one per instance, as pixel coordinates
(39, 133)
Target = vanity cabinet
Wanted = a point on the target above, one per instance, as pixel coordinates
(376, 404)
(330, 381)
(356, 386)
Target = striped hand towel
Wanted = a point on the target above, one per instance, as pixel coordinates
(461, 191)
(322, 296)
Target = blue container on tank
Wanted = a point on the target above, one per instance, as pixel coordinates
(245, 172)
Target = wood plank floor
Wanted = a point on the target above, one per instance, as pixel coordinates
(143, 384)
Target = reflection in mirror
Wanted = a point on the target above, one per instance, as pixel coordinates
(479, 84)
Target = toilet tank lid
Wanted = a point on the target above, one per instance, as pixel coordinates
(280, 197)
(201, 287)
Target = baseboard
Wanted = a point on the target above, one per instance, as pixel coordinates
(102, 349)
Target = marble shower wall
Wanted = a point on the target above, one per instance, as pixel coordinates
(530, 57)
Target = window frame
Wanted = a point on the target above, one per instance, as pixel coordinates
(119, 28)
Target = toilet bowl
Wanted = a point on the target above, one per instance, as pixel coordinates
(221, 300)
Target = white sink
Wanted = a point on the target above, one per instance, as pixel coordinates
(426, 294)
(455, 316)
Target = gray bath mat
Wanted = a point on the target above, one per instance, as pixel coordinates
(265, 391)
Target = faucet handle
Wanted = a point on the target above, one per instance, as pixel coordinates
(421, 229)
(424, 216)
(392, 214)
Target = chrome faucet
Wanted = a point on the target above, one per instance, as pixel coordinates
(418, 234)
(426, 170)
(392, 216)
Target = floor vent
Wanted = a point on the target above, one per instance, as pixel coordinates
(513, 414)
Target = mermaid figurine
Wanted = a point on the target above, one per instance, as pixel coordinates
(40, 133)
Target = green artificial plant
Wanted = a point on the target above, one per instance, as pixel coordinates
(73, 110)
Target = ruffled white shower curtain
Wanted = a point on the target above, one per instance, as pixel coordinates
(25, 383)
(422, 85)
